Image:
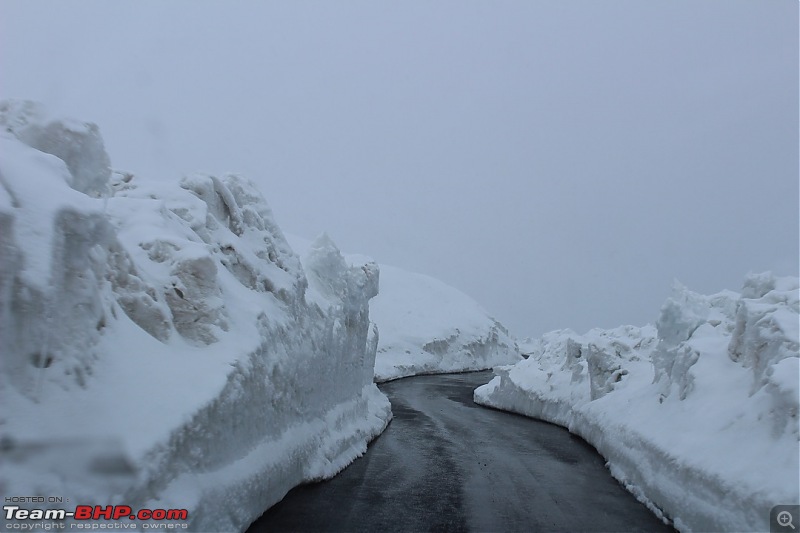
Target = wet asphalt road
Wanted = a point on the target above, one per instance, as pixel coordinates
(447, 464)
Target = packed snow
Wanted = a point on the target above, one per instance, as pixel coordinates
(428, 327)
(162, 345)
(697, 416)
(425, 326)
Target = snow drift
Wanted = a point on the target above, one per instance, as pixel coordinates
(162, 346)
(697, 417)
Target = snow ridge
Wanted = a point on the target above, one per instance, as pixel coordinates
(697, 417)
(162, 344)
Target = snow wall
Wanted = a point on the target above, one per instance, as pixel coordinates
(425, 325)
(428, 327)
(162, 346)
(697, 417)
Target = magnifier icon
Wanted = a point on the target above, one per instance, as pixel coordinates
(785, 519)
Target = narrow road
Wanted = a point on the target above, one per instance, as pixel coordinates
(447, 464)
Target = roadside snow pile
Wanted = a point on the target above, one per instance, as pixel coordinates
(428, 327)
(162, 346)
(425, 326)
(697, 418)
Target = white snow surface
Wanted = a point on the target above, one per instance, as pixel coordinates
(425, 326)
(429, 327)
(162, 345)
(697, 416)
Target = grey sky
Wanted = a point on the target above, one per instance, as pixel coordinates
(559, 161)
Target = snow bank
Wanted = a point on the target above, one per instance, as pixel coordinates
(428, 327)
(424, 326)
(162, 346)
(697, 417)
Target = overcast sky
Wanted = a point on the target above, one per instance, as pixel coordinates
(559, 161)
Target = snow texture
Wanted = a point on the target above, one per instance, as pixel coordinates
(428, 327)
(423, 326)
(697, 416)
(162, 346)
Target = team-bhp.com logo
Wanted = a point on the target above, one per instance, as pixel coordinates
(97, 513)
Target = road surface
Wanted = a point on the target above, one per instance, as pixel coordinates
(447, 464)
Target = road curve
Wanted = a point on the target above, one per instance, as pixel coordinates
(447, 464)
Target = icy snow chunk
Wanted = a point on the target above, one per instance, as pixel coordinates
(138, 299)
(758, 285)
(190, 235)
(605, 369)
(682, 315)
(766, 325)
(240, 223)
(196, 299)
(336, 284)
(78, 144)
(781, 384)
(326, 267)
(581, 368)
(332, 275)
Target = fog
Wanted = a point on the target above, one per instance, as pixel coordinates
(560, 161)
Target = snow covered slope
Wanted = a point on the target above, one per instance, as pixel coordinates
(697, 417)
(428, 327)
(162, 346)
(425, 326)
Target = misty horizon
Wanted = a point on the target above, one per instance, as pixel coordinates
(561, 163)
